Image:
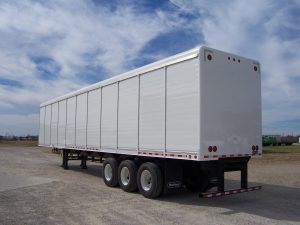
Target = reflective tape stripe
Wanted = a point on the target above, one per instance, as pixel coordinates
(229, 192)
(226, 156)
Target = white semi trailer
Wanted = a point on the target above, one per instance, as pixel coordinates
(180, 122)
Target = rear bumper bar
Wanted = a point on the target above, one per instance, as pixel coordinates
(229, 192)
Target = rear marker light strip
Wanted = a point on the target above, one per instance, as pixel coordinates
(227, 156)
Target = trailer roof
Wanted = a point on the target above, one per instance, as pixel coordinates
(193, 53)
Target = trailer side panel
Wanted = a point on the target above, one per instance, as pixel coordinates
(48, 125)
(70, 126)
(183, 107)
(152, 111)
(128, 115)
(42, 126)
(81, 120)
(54, 123)
(109, 119)
(62, 119)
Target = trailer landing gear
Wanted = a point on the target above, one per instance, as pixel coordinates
(65, 159)
(68, 154)
(83, 156)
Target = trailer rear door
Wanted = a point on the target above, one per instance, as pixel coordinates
(230, 108)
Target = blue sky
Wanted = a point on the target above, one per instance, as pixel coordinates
(49, 48)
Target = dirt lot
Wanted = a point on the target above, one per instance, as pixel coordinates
(34, 189)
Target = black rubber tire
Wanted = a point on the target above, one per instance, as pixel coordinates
(114, 165)
(157, 179)
(132, 185)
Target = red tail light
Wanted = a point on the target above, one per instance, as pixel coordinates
(215, 148)
(209, 57)
(256, 147)
(210, 148)
(253, 147)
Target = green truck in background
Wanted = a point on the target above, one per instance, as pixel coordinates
(268, 140)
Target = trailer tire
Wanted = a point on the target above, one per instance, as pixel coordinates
(127, 175)
(150, 180)
(110, 172)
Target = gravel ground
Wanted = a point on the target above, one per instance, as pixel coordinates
(34, 189)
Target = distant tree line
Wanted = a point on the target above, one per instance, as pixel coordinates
(18, 138)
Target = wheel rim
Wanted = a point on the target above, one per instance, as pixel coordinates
(125, 176)
(108, 172)
(146, 180)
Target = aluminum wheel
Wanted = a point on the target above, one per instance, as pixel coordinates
(146, 180)
(125, 176)
(108, 172)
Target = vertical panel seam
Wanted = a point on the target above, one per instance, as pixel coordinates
(66, 121)
(100, 119)
(138, 127)
(39, 138)
(45, 125)
(76, 98)
(165, 150)
(118, 116)
(57, 123)
(50, 123)
(199, 107)
(87, 117)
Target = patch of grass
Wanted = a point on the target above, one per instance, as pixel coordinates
(282, 149)
(19, 143)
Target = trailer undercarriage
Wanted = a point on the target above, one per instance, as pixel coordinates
(164, 175)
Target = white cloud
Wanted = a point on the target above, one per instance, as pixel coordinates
(68, 32)
(78, 34)
(74, 34)
(19, 124)
(257, 30)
